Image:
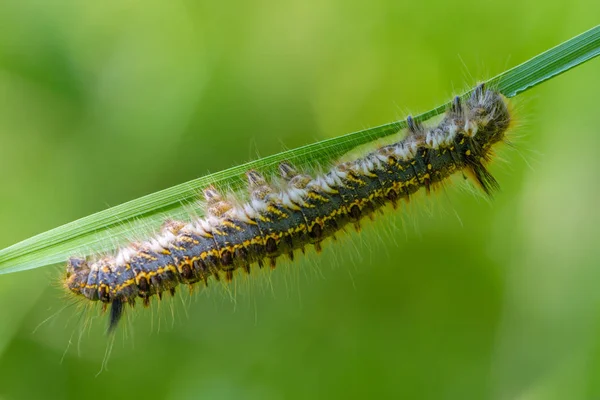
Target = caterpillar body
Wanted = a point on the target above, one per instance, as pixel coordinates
(306, 211)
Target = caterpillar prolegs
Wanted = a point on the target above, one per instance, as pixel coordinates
(307, 210)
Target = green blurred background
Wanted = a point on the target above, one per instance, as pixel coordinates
(454, 298)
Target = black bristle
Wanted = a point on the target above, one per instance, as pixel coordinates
(456, 105)
(116, 312)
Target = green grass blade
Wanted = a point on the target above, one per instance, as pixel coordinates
(103, 231)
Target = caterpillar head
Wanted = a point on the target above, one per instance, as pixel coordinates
(487, 116)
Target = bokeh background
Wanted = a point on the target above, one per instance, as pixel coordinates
(454, 298)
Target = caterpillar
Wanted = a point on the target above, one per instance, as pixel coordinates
(307, 210)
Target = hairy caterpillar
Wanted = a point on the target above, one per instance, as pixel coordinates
(308, 210)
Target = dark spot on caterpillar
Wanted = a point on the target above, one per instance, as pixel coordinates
(271, 245)
(186, 272)
(355, 212)
(143, 285)
(226, 258)
(316, 232)
(170, 276)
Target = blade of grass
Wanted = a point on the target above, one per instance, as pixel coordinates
(104, 230)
